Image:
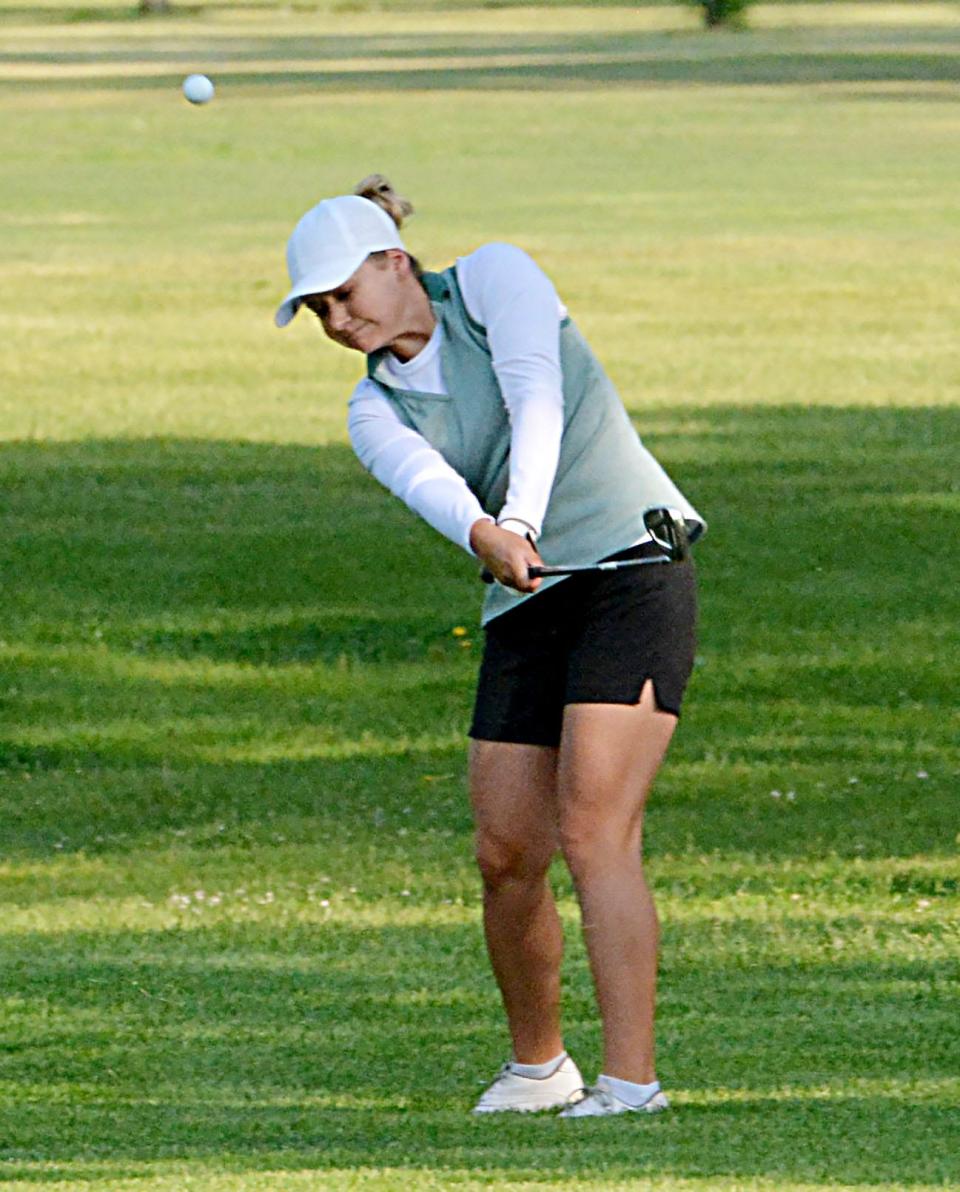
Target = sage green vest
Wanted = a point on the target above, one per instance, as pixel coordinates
(605, 479)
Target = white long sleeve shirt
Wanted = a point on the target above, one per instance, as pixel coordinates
(511, 297)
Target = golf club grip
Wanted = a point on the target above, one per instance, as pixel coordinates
(487, 576)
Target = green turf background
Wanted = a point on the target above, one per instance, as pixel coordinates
(239, 930)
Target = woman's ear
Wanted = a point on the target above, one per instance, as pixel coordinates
(399, 261)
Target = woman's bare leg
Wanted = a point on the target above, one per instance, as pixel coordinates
(609, 756)
(513, 792)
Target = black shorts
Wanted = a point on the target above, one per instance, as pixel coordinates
(594, 639)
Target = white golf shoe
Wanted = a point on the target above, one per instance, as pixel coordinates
(528, 1094)
(601, 1101)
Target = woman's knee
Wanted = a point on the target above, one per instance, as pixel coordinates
(591, 843)
(502, 860)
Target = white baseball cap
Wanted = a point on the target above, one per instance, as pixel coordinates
(330, 243)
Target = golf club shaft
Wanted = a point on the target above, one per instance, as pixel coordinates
(665, 528)
(612, 565)
(580, 568)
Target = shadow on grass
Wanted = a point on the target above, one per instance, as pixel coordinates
(165, 537)
(861, 55)
(277, 554)
(405, 811)
(260, 1048)
(187, 626)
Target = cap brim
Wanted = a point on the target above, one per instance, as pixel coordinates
(285, 311)
(315, 283)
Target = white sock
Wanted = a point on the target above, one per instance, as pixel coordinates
(627, 1091)
(538, 1071)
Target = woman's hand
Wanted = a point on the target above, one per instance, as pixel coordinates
(506, 555)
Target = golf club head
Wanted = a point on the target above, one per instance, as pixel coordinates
(669, 531)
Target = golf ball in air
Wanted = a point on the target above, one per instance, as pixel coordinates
(198, 88)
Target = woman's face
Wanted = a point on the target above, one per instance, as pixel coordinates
(367, 312)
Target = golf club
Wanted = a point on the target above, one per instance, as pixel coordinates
(667, 530)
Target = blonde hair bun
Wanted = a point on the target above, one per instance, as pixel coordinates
(379, 190)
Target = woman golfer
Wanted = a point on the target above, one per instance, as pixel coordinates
(484, 409)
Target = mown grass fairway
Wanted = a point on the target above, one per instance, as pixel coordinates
(240, 926)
